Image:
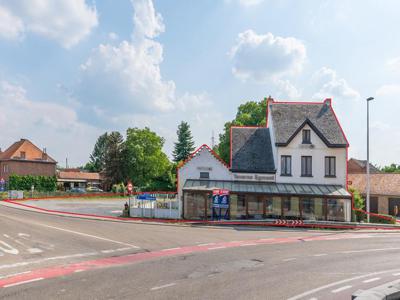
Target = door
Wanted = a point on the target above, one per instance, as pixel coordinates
(394, 207)
(373, 204)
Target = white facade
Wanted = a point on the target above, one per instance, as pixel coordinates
(202, 161)
(318, 150)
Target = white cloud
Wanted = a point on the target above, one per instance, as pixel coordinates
(262, 57)
(246, 3)
(65, 21)
(50, 125)
(11, 27)
(328, 85)
(287, 89)
(122, 85)
(113, 36)
(391, 90)
(393, 64)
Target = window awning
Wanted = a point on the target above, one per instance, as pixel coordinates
(269, 188)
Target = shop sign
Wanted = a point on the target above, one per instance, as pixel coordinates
(255, 177)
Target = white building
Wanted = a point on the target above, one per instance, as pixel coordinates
(294, 168)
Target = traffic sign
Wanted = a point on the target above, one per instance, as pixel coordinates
(130, 187)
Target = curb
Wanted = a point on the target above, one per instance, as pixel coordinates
(200, 222)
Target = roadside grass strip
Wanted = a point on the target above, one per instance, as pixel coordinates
(63, 270)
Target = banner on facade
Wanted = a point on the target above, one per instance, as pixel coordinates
(220, 198)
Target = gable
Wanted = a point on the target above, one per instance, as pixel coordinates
(31, 151)
(288, 118)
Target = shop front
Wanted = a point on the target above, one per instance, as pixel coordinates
(250, 200)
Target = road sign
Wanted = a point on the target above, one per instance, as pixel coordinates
(130, 187)
(220, 198)
(146, 197)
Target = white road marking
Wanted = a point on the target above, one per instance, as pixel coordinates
(346, 287)
(207, 244)
(78, 271)
(88, 235)
(107, 251)
(34, 250)
(313, 291)
(23, 282)
(249, 244)
(14, 274)
(23, 234)
(219, 247)
(372, 279)
(8, 248)
(396, 274)
(6, 235)
(162, 286)
(320, 254)
(169, 249)
(289, 259)
(313, 298)
(123, 249)
(368, 250)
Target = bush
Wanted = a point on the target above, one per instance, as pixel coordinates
(376, 219)
(25, 183)
(119, 188)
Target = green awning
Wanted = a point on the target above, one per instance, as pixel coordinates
(269, 188)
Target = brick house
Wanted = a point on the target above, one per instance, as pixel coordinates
(73, 178)
(357, 166)
(24, 158)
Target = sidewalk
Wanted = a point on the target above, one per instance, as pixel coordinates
(256, 223)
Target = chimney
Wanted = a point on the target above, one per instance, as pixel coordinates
(44, 154)
(328, 101)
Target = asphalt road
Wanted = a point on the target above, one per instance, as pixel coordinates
(142, 261)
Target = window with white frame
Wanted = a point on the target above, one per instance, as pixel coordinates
(286, 165)
(306, 166)
(330, 166)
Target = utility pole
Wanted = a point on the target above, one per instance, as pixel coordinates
(368, 179)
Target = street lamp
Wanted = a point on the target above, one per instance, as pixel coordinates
(368, 183)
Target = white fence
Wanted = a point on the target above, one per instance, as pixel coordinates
(165, 206)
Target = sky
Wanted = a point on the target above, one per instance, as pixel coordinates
(71, 70)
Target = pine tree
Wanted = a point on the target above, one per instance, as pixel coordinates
(185, 144)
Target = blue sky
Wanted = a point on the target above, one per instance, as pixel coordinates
(71, 70)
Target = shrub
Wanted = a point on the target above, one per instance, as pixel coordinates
(25, 183)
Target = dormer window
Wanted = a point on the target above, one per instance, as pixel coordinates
(22, 154)
(306, 136)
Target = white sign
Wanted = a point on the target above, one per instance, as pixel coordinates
(254, 177)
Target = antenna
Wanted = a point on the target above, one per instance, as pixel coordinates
(66, 162)
(212, 140)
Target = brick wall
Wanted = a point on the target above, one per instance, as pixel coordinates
(27, 168)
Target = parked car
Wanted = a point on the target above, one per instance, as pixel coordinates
(93, 189)
(77, 190)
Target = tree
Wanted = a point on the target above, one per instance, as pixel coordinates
(97, 158)
(114, 158)
(147, 166)
(185, 144)
(392, 168)
(249, 114)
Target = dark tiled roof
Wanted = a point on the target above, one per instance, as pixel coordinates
(288, 118)
(360, 166)
(252, 150)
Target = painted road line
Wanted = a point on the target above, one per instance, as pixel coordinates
(219, 247)
(289, 259)
(14, 274)
(171, 249)
(34, 250)
(320, 254)
(248, 244)
(23, 282)
(162, 286)
(78, 271)
(207, 244)
(87, 235)
(396, 274)
(108, 251)
(323, 287)
(346, 287)
(369, 250)
(371, 280)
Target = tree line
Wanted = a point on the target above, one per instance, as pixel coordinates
(139, 158)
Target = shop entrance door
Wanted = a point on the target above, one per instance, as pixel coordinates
(394, 207)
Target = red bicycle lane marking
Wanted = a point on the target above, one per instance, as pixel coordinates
(58, 271)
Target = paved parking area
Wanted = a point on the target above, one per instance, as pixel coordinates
(96, 206)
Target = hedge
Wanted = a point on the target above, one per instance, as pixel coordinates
(25, 183)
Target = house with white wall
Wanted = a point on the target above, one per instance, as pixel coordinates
(293, 168)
